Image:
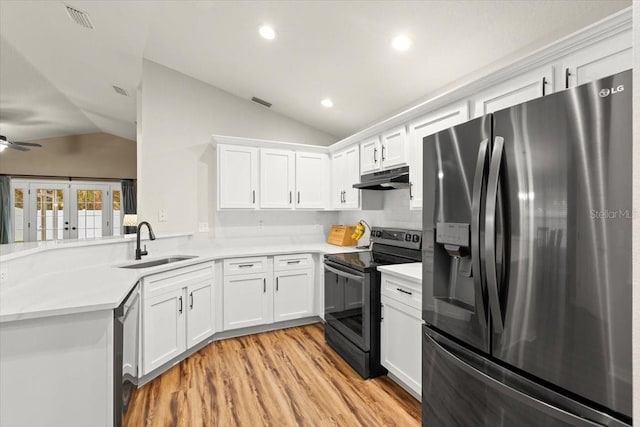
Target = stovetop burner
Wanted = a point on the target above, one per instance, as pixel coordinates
(390, 246)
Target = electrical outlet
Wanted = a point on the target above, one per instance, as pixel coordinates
(203, 227)
(4, 275)
(162, 216)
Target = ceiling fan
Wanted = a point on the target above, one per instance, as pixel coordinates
(16, 145)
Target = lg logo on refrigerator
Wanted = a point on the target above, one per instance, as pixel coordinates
(606, 92)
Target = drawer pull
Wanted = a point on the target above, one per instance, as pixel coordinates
(294, 262)
(404, 292)
(245, 265)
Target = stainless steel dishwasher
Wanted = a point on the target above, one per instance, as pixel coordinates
(126, 333)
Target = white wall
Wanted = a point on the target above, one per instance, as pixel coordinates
(176, 164)
(636, 212)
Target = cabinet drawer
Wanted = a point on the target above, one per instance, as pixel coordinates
(292, 262)
(407, 292)
(158, 284)
(252, 265)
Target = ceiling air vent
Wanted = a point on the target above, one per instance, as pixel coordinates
(261, 102)
(79, 17)
(120, 91)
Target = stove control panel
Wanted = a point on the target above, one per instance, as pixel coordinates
(411, 239)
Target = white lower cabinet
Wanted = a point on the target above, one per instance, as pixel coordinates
(401, 329)
(400, 345)
(164, 329)
(282, 290)
(247, 300)
(177, 313)
(293, 297)
(199, 312)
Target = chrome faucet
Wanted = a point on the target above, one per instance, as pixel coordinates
(143, 252)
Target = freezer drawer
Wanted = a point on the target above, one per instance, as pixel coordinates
(463, 389)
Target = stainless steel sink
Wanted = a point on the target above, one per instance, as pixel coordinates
(160, 261)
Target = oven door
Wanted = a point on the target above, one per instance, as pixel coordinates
(347, 306)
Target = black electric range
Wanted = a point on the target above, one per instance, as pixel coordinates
(352, 296)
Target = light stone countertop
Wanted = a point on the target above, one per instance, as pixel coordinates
(411, 271)
(104, 287)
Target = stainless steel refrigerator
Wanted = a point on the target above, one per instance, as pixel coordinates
(527, 264)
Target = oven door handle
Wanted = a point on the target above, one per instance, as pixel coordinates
(344, 273)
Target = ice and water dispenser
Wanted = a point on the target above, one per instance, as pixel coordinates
(452, 265)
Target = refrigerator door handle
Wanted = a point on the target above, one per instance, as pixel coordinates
(490, 234)
(503, 388)
(475, 229)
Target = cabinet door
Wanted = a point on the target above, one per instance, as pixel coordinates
(338, 162)
(164, 328)
(401, 341)
(393, 147)
(370, 159)
(311, 183)
(277, 178)
(517, 90)
(425, 126)
(293, 297)
(599, 60)
(237, 177)
(199, 312)
(351, 176)
(248, 301)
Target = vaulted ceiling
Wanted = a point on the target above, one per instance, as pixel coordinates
(56, 76)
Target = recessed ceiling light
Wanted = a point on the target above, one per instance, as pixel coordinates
(401, 43)
(267, 32)
(326, 103)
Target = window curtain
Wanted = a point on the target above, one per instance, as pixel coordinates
(129, 201)
(5, 209)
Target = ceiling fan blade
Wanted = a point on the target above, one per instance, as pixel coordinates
(19, 148)
(15, 147)
(26, 144)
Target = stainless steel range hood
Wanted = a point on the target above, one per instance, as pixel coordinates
(385, 180)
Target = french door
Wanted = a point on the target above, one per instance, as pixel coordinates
(47, 210)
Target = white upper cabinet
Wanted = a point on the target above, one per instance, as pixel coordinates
(237, 177)
(370, 155)
(312, 185)
(393, 147)
(345, 171)
(522, 88)
(351, 176)
(385, 151)
(609, 56)
(338, 162)
(277, 178)
(425, 126)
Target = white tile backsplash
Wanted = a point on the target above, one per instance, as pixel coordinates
(396, 213)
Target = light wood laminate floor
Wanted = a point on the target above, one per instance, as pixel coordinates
(289, 377)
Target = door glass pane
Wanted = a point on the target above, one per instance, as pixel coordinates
(49, 214)
(89, 213)
(18, 214)
(117, 213)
